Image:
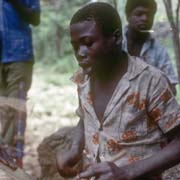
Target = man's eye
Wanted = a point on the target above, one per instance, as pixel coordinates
(138, 14)
(88, 43)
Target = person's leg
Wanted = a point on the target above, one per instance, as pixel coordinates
(1, 90)
(16, 74)
(3, 109)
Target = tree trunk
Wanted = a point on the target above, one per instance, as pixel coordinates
(176, 44)
(115, 3)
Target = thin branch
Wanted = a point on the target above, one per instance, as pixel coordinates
(115, 3)
(168, 6)
(165, 3)
(177, 15)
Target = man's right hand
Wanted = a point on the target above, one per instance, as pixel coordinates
(66, 161)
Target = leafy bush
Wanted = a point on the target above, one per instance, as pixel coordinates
(51, 39)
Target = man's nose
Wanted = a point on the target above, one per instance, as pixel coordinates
(144, 17)
(81, 53)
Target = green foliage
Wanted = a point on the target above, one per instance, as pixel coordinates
(51, 38)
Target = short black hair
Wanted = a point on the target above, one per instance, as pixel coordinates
(132, 4)
(103, 14)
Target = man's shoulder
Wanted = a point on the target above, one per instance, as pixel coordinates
(156, 44)
(140, 68)
(143, 73)
(146, 77)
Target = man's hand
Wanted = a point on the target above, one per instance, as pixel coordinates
(5, 158)
(11, 1)
(65, 162)
(105, 171)
(27, 14)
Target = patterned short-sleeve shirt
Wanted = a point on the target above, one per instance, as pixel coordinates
(139, 114)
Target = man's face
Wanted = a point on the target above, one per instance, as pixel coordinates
(141, 19)
(89, 44)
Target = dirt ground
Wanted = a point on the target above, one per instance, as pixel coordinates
(49, 108)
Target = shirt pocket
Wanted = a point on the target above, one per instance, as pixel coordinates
(133, 125)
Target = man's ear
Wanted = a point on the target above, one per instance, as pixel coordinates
(117, 36)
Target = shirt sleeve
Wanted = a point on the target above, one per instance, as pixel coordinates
(165, 64)
(163, 107)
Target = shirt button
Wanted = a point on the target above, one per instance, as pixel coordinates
(102, 157)
(100, 128)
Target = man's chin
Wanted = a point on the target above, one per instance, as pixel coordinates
(87, 70)
(144, 29)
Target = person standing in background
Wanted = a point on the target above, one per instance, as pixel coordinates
(138, 41)
(16, 64)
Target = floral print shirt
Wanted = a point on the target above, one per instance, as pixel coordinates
(141, 110)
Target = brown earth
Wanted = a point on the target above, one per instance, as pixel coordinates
(49, 108)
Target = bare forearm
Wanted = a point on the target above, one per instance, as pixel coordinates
(78, 136)
(26, 14)
(168, 157)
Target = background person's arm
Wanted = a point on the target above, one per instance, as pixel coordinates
(165, 65)
(27, 14)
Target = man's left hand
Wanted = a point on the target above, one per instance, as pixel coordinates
(105, 171)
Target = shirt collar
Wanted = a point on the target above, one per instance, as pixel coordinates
(135, 67)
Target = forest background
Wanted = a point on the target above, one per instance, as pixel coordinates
(52, 98)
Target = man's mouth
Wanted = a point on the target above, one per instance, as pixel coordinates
(143, 26)
(84, 65)
(87, 68)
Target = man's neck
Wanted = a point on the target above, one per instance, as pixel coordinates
(112, 71)
(135, 41)
(136, 36)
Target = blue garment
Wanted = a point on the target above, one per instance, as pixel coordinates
(16, 34)
(156, 55)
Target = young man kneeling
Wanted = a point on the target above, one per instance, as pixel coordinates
(129, 118)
